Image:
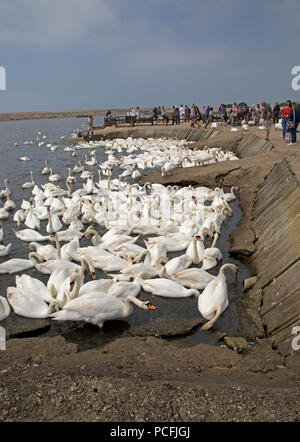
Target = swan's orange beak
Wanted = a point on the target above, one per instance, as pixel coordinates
(71, 285)
(151, 307)
(83, 237)
(94, 275)
(198, 238)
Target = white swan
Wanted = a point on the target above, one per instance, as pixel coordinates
(182, 262)
(4, 213)
(46, 169)
(48, 251)
(29, 184)
(212, 255)
(135, 269)
(194, 278)
(9, 204)
(35, 287)
(53, 177)
(48, 267)
(98, 309)
(31, 235)
(54, 224)
(16, 265)
(4, 308)
(214, 299)
(4, 250)
(98, 285)
(28, 305)
(166, 287)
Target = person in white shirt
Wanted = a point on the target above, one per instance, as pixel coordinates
(182, 113)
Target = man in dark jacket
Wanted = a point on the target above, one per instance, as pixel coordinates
(276, 112)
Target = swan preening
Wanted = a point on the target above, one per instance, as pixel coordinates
(186, 221)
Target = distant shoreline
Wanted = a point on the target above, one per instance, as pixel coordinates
(13, 116)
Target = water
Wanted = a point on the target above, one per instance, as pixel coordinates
(17, 172)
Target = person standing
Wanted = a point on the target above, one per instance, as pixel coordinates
(285, 115)
(181, 112)
(292, 123)
(154, 114)
(187, 113)
(164, 115)
(193, 115)
(177, 115)
(138, 114)
(267, 117)
(90, 126)
(276, 111)
(223, 114)
(173, 115)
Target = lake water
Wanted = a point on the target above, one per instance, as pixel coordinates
(18, 172)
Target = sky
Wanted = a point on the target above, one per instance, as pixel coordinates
(101, 54)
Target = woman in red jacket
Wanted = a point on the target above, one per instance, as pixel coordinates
(285, 115)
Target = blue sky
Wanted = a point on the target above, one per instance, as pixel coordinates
(83, 54)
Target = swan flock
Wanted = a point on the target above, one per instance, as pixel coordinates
(130, 229)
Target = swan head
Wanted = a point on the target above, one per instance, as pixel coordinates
(148, 306)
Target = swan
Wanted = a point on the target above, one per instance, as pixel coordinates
(48, 252)
(71, 179)
(108, 242)
(198, 256)
(9, 204)
(30, 235)
(4, 213)
(54, 224)
(135, 269)
(5, 192)
(167, 167)
(4, 308)
(92, 162)
(193, 278)
(136, 175)
(29, 184)
(28, 305)
(35, 287)
(124, 288)
(230, 196)
(214, 299)
(19, 216)
(53, 177)
(31, 220)
(46, 169)
(4, 250)
(182, 262)
(98, 309)
(212, 255)
(171, 243)
(48, 267)
(98, 285)
(108, 262)
(64, 281)
(16, 265)
(166, 287)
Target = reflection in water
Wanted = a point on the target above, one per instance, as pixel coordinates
(88, 336)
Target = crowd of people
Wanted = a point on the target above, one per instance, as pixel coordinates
(233, 115)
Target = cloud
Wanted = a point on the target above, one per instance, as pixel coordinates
(169, 57)
(53, 22)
